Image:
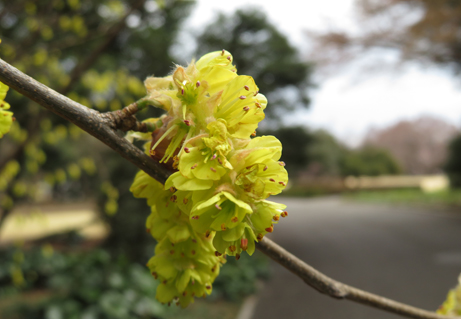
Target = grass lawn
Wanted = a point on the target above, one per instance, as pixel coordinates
(446, 198)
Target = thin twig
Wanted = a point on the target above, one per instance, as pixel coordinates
(101, 127)
(87, 119)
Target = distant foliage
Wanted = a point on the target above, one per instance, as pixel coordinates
(453, 164)
(261, 50)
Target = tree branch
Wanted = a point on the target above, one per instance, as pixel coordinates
(102, 126)
(87, 119)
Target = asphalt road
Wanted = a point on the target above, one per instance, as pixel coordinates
(412, 255)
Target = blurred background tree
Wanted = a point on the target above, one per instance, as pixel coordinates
(259, 49)
(453, 164)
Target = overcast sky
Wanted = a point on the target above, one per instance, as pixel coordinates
(342, 104)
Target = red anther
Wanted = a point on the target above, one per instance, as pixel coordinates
(259, 237)
(154, 274)
(223, 51)
(284, 214)
(184, 293)
(235, 219)
(282, 183)
(244, 244)
(173, 198)
(147, 230)
(276, 217)
(265, 168)
(213, 157)
(237, 256)
(172, 189)
(186, 149)
(282, 163)
(194, 166)
(247, 87)
(197, 84)
(232, 248)
(242, 97)
(193, 252)
(217, 254)
(214, 267)
(223, 226)
(208, 287)
(219, 161)
(213, 169)
(195, 217)
(164, 282)
(207, 234)
(253, 134)
(270, 229)
(229, 58)
(185, 200)
(258, 105)
(272, 180)
(13, 119)
(256, 93)
(187, 122)
(217, 206)
(194, 240)
(152, 152)
(172, 251)
(246, 108)
(1, 105)
(182, 91)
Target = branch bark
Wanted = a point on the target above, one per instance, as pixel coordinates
(103, 128)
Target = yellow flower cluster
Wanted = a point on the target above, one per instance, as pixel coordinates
(215, 202)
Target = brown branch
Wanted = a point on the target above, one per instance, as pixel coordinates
(87, 119)
(102, 127)
(336, 289)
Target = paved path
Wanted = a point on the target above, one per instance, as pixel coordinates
(407, 254)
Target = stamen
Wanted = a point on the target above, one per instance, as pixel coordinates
(185, 200)
(213, 169)
(208, 287)
(219, 161)
(257, 92)
(187, 122)
(265, 168)
(217, 206)
(197, 84)
(182, 255)
(259, 237)
(242, 97)
(235, 219)
(172, 189)
(195, 217)
(258, 105)
(237, 256)
(229, 58)
(270, 229)
(152, 153)
(223, 227)
(222, 53)
(217, 254)
(253, 134)
(173, 198)
(184, 293)
(182, 91)
(247, 87)
(186, 149)
(172, 252)
(282, 183)
(147, 230)
(282, 163)
(244, 244)
(276, 218)
(207, 234)
(232, 248)
(246, 108)
(272, 180)
(284, 214)
(194, 240)
(154, 274)
(213, 157)
(195, 165)
(193, 252)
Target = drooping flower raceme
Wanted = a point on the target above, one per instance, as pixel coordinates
(215, 202)
(452, 306)
(6, 117)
